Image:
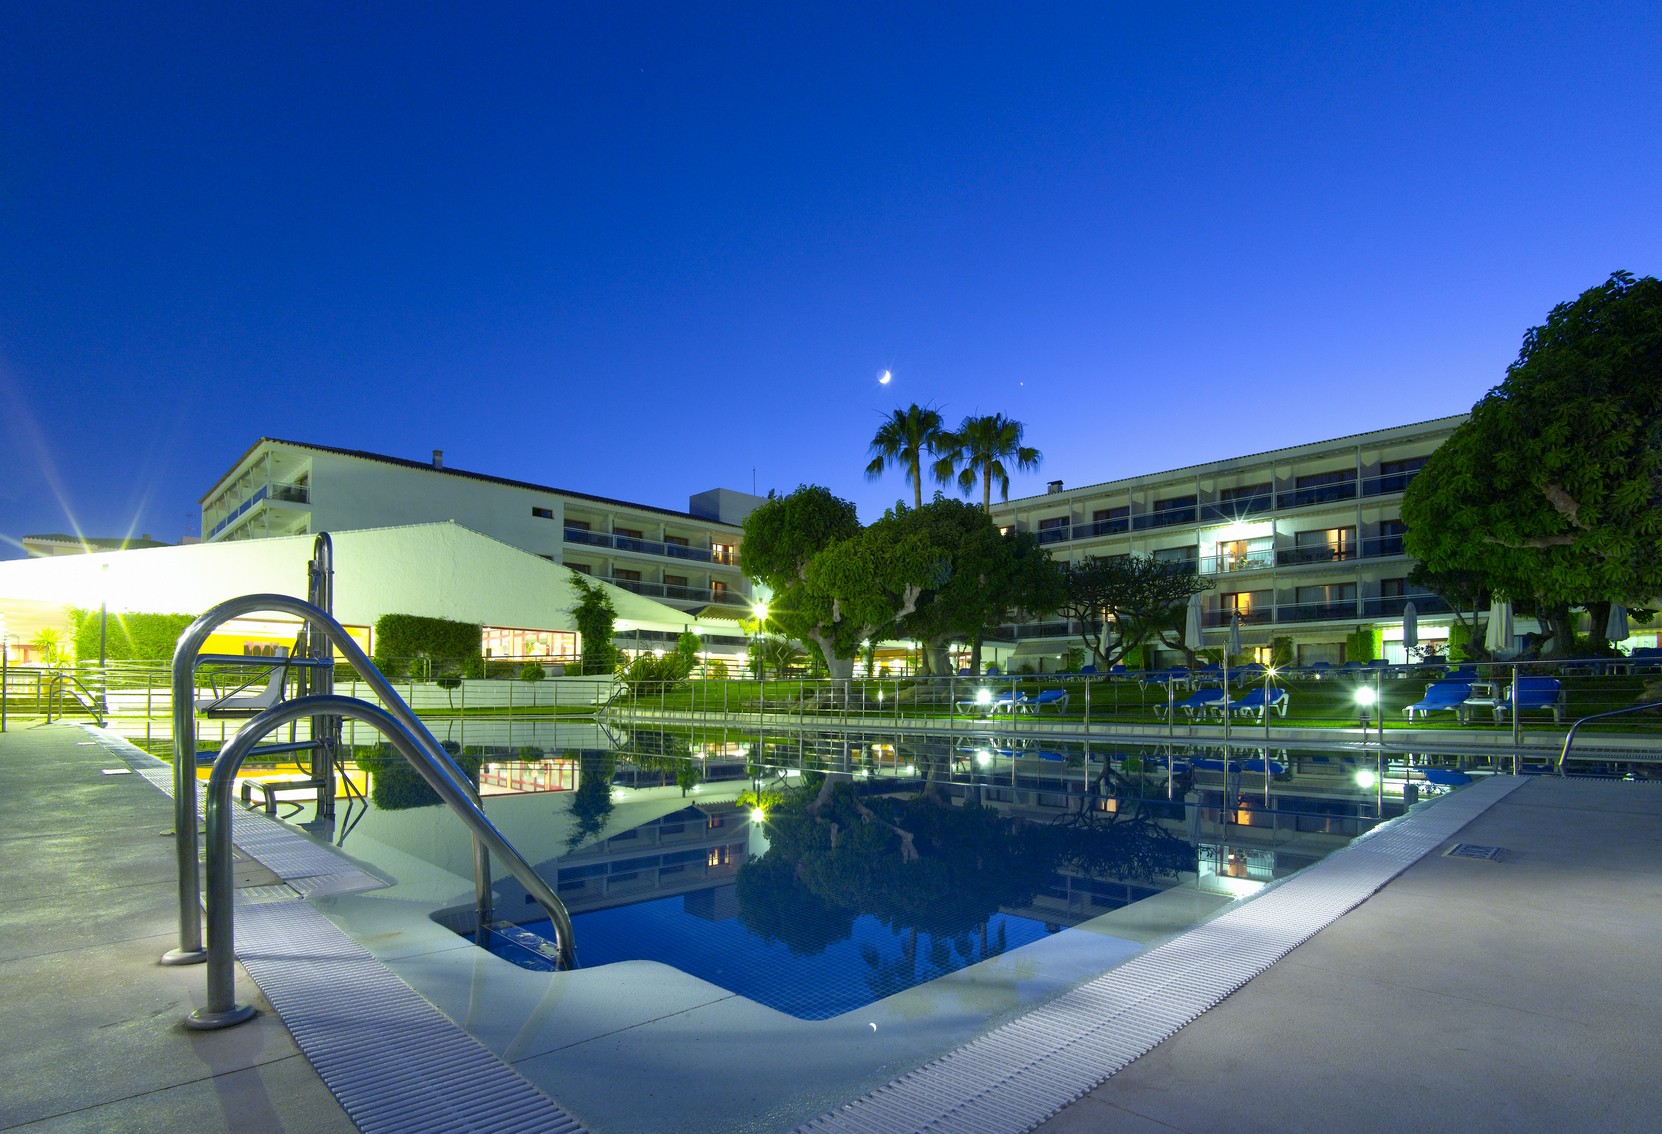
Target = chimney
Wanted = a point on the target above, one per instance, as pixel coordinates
(438, 459)
(1051, 489)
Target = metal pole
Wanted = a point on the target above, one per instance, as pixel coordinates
(5, 677)
(1516, 739)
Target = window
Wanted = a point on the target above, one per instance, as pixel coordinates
(1252, 606)
(1320, 488)
(1328, 593)
(722, 553)
(1324, 545)
(622, 576)
(1393, 588)
(627, 533)
(1172, 503)
(718, 590)
(1245, 491)
(583, 567)
(1390, 538)
(580, 525)
(1053, 530)
(1105, 520)
(1394, 475)
(676, 540)
(675, 580)
(543, 513)
(1177, 554)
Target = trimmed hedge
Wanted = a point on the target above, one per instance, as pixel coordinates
(446, 646)
(137, 636)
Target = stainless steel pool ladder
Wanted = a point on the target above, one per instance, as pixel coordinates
(396, 721)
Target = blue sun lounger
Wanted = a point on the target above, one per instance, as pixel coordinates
(1196, 703)
(1253, 701)
(1440, 696)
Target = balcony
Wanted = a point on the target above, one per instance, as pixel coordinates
(641, 546)
(277, 493)
(1390, 606)
(1323, 553)
(1341, 611)
(1319, 494)
(1379, 546)
(1164, 518)
(1225, 564)
(1216, 619)
(674, 593)
(1237, 508)
(1387, 483)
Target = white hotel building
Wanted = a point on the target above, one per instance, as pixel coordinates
(687, 560)
(1304, 542)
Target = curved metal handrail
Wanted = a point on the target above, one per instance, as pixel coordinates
(1569, 737)
(222, 1010)
(190, 950)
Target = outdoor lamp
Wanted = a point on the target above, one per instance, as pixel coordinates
(1364, 703)
(760, 610)
(1365, 778)
(984, 697)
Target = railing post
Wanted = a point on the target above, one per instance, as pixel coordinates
(1516, 717)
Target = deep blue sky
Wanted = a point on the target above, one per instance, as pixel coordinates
(641, 250)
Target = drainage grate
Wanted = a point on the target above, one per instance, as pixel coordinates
(1016, 1076)
(1472, 850)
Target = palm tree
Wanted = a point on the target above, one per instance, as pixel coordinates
(981, 446)
(903, 438)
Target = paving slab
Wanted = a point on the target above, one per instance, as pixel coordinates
(1470, 995)
(94, 1036)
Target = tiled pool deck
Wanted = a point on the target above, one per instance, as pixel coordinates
(1521, 993)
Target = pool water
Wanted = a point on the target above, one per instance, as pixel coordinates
(702, 935)
(942, 853)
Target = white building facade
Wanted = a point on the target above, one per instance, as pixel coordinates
(1304, 542)
(688, 560)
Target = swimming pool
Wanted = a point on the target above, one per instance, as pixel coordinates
(658, 830)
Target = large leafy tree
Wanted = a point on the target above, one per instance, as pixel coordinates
(983, 574)
(984, 450)
(1124, 601)
(903, 440)
(834, 583)
(1552, 490)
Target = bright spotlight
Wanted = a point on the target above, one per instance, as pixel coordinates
(757, 815)
(984, 697)
(1365, 779)
(1365, 696)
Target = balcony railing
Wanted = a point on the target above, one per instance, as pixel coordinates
(1324, 553)
(1375, 547)
(1390, 606)
(1238, 508)
(1164, 518)
(1344, 610)
(677, 593)
(1225, 564)
(643, 546)
(1319, 494)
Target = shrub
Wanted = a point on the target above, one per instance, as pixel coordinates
(1281, 651)
(1459, 642)
(1360, 645)
(718, 670)
(1073, 659)
(531, 671)
(135, 636)
(473, 667)
(422, 647)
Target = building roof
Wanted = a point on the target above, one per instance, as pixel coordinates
(59, 541)
(440, 470)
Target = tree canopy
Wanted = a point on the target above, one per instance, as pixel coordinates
(985, 449)
(1124, 601)
(982, 575)
(902, 440)
(1552, 490)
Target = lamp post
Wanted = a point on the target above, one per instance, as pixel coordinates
(759, 610)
